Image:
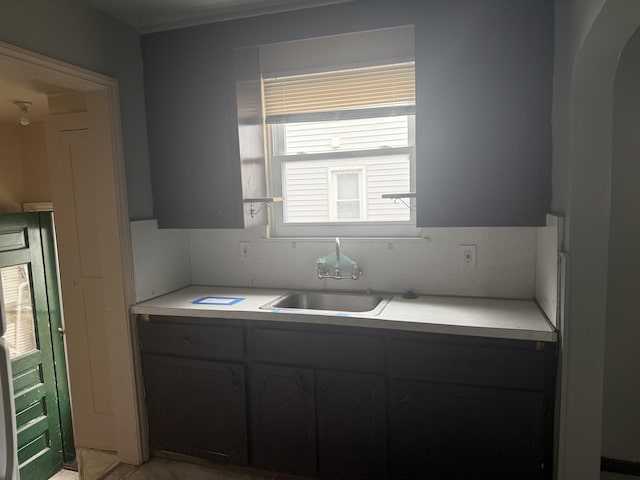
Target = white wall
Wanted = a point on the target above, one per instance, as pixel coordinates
(161, 259)
(573, 20)
(590, 35)
(621, 415)
(505, 262)
(549, 273)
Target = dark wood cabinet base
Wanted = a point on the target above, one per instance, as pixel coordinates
(344, 403)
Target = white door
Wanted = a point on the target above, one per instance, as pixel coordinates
(83, 190)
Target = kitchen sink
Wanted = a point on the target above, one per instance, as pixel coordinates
(315, 302)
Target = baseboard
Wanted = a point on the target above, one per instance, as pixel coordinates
(619, 466)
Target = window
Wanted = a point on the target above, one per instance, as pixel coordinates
(345, 196)
(308, 156)
(339, 137)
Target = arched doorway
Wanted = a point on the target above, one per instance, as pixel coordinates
(583, 129)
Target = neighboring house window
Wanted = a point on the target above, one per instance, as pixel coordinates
(346, 202)
(339, 137)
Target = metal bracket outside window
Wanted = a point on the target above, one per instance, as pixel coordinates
(401, 198)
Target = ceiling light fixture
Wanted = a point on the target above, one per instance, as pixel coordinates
(24, 112)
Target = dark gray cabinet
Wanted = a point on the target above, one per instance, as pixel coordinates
(283, 424)
(466, 432)
(325, 369)
(471, 408)
(193, 129)
(484, 71)
(352, 426)
(349, 403)
(196, 408)
(195, 388)
(484, 77)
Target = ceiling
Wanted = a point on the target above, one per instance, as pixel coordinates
(154, 15)
(17, 83)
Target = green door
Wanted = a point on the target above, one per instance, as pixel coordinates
(29, 298)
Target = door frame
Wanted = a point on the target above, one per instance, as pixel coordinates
(123, 362)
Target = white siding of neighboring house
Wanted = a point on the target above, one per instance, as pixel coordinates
(306, 191)
(387, 175)
(345, 135)
(306, 187)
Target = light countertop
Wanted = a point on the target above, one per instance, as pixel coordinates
(480, 317)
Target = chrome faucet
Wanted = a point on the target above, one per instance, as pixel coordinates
(324, 266)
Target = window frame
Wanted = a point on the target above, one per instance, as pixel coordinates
(278, 228)
(345, 66)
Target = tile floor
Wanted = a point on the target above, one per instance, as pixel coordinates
(160, 469)
(65, 475)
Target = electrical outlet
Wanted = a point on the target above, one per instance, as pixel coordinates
(245, 250)
(468, 255)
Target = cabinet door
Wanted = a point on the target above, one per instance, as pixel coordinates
(192, 128)
(196, 407)
(495, 170)
(283, 419)
(466, 433)
(351, 426)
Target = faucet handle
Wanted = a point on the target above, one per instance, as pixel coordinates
(355, 272)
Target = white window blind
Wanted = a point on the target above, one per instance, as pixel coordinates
(388, 88)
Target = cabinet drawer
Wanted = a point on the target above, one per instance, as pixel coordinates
(196, 341)
(316, 349)
(468, 364)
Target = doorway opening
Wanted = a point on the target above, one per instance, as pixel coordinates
(76, 162)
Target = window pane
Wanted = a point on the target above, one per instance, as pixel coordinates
(348, 210)
(346, 135)
(306, 192)
(348, 185)
(20, 336)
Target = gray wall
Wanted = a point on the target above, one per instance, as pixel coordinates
(621, 416)
(71, 31)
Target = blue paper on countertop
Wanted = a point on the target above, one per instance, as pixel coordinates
(218, 301)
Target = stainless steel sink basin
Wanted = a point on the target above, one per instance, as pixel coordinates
(315, 302)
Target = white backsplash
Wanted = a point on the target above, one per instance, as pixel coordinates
(506, 262)
(548, 243)
(161, 259)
